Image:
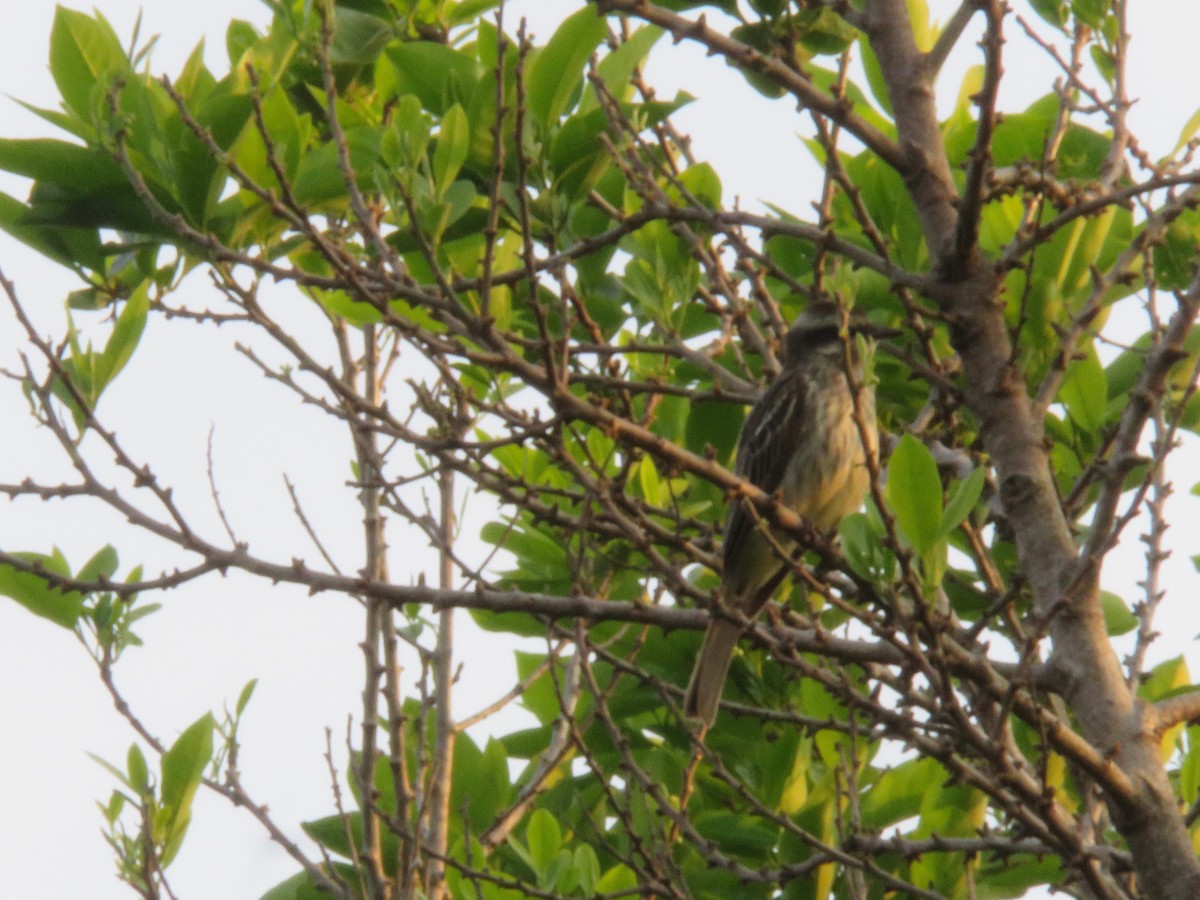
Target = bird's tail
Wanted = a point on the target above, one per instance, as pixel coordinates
(712, 665)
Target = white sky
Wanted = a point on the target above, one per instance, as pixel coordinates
(216, 635)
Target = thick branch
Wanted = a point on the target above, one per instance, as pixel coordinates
(1176, 711)
(1066, 592)
(925, 167)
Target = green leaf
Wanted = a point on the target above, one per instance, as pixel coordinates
(1016, 876)
(138, 771)
(1117, 617)
(89, 298)
(468, 10)
(1104, 62)
(1175, 253)
(481, 787)
(616, 69)
(289, 136)
(1087, 240)
(1187, 132)
(544, 838)
(59, 119)
(116, 803)
(953, 809)
(1084, 392)
(301, 887)
(577, 144)
(244, 697)
(1090, 12)
(715, 424)
(542, 694)
(37, 595)
(557, 72)
(439, 75)
(72, 168)
(541, 557)
(865, 549)
(76, 187)
(702, 181)
(183, 768)
(962, 501)
(875, 79)
(83, 50)
(890, 206)
(404, 143)
(330, 832)
(587, 869)
(899, 792)
(66, 246)
(914, 493)
(527, 743)
(1168, 679)
(1164, 679)
(918, 15)
(1023, 136)
(269, 55)
(453, 143)
(125, 335)
(194, 81)
(780, 764)
(184, 763)
(738, 834)
(358, 37)
(342, 305)
(652, 487)
(1053, 11)
(102, 565)
(516, 623)
(319, 177)
(825, 32)
(761, 36)
(620, 879)
(240, 37)
(1189, 770)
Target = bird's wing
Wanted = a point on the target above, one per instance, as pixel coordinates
(770, 435)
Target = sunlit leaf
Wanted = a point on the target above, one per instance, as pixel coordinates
(37, 594)
(183, 767)
(962, 500)
(557, 72)
(1117, 617)
(914, 493)
(1085, 392)
(452, 147)
(84, 51)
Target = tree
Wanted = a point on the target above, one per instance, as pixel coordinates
(535, 302)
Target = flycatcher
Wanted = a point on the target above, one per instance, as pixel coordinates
(801, 440)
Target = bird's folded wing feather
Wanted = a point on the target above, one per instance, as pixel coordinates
(771, 434)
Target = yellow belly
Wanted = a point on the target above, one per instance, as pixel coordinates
(828, 479)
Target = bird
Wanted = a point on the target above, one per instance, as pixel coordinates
(800, 442)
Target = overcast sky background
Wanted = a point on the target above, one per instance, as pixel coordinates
(216, 635)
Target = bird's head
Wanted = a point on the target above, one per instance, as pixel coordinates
(819, 328)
